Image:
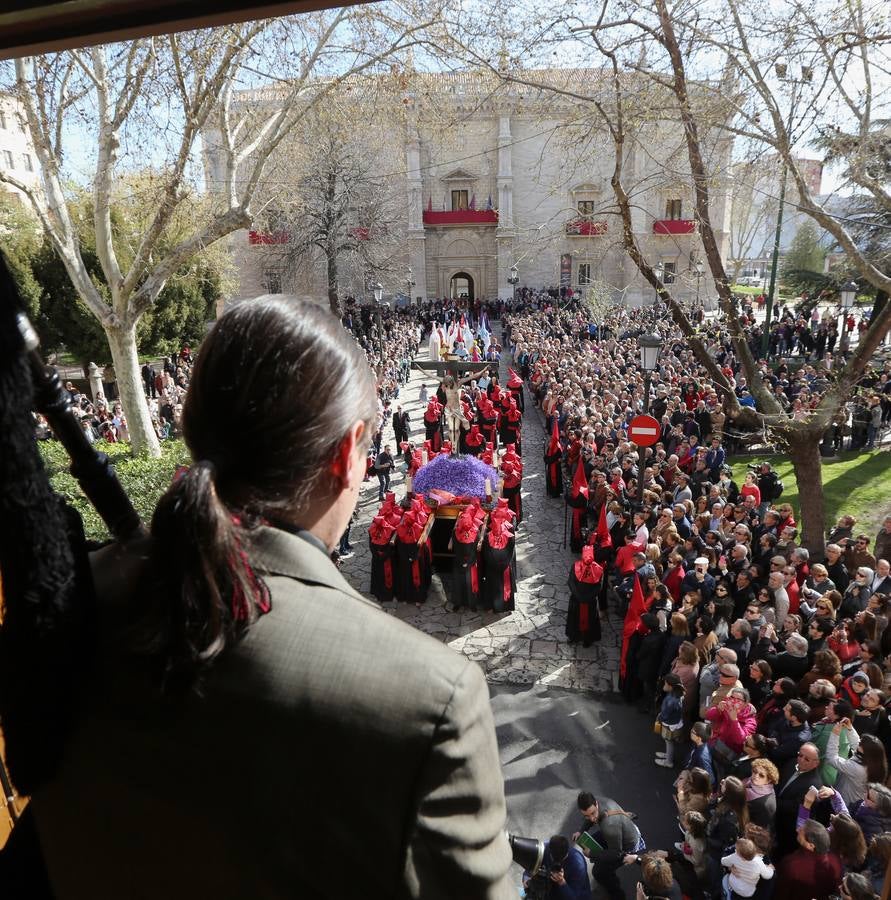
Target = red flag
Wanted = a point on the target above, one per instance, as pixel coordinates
(604, 539)
(580, 481)
(636, 609)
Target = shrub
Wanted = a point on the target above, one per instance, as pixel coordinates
(144, 479)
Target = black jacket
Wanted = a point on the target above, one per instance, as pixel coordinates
(789, 796)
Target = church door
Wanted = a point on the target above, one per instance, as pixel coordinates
(461, 287)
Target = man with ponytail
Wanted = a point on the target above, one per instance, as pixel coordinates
(250, 715)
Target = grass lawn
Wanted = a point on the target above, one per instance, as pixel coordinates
(858, 484)
(754, 290)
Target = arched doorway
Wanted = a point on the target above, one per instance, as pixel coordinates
(461, 286)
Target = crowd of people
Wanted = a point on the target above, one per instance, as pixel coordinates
(472, 429)
(763, 670)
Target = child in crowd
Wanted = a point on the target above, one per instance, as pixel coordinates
(746, 866)
(701, 756)
(693, 846)
(670, 718)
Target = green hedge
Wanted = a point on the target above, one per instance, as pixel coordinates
(144, 479)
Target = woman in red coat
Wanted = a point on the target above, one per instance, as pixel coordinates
(733, 720)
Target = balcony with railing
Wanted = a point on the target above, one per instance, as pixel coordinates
(674, 226)
(585, 228)
(268, 237)
(460, 217)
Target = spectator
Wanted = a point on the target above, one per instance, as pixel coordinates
(563, 870)
(866, 764)
(693, 790)
(811, 872)
(760, 793)
(789, 733)
(747, 868)
(797, 777)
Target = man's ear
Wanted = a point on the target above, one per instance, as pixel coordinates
(342, 466)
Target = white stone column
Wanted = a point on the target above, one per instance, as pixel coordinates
(505, 235)
(505, 176)
(95, 380)
(416, 239)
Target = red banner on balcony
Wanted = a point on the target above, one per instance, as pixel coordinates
(268, 237)
(586, 228)
(674, 226)
(461, 217)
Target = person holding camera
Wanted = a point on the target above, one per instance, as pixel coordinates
(563, 874)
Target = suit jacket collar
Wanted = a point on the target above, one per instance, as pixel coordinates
(276, 552)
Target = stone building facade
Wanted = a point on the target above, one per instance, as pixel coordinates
(17, 156)
(499, 176)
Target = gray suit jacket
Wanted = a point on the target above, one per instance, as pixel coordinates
(336, 752)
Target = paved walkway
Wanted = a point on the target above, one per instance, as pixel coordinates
(528, 645)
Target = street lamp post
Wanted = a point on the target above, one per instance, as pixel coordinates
(806, 76)
(700, 271)
(659, 272)
(410, 283)
(650, 345)
(378, 290)
(847, 293)
(513, 280)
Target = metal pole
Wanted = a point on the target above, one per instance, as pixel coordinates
(643, 450)
(845, 335)
(765, 338)
(380, 334)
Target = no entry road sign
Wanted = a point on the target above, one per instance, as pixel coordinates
(644, 431)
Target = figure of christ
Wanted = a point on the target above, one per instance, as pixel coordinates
(454, 415)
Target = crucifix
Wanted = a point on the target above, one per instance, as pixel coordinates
(450, 373)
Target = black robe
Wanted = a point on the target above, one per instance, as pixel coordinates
(578, 506)
(383, 571)
(433, 433)
(412, 577)
(517, 394)
(500, 584)
(466, 575)
(583, 617)
(514, 499)
(489, 427)
(553, 474)
(512, 433)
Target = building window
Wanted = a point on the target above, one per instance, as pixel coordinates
(673, 209)
(584, 273)
(586, 208)
(669, 270)
(8, 159)
(460, 200)
(2, 120)
(26, 158)
(272, 281)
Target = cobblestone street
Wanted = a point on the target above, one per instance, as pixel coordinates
(527, 646)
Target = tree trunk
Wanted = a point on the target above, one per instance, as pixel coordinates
(804, 452)
(333, 299)
(122, 342)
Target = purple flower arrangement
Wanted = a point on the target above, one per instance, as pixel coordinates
(463, 476)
